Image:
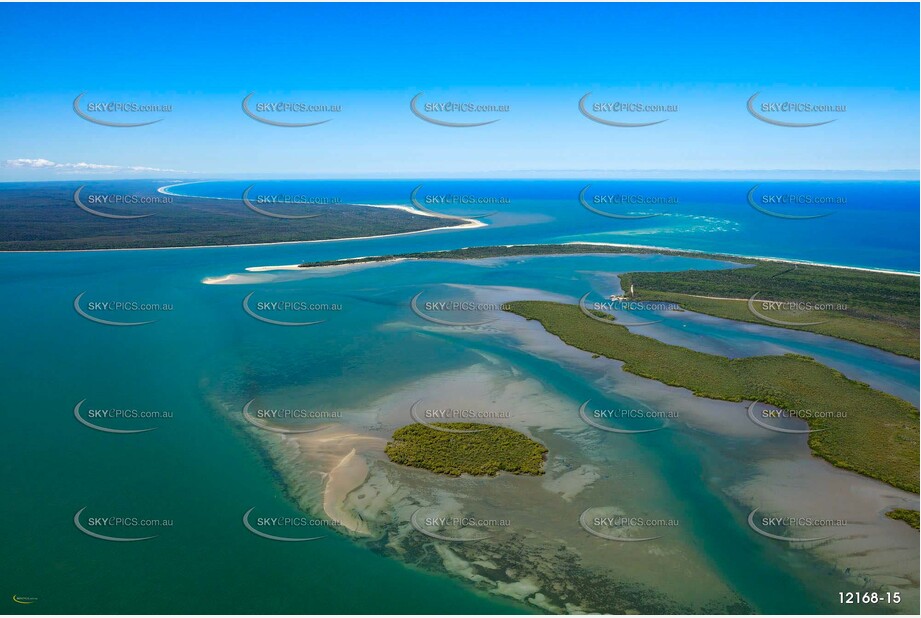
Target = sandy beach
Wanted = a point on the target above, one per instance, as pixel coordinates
(343, 470)
(750, 257)
(347, 264)
(665, 250)
(344, 473)
(349, 474)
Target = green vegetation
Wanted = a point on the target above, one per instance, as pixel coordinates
(485, 452)
(875, 309)
(873, 433)
(479, 253)
(44, 217)
(909, 516)
(882, 309)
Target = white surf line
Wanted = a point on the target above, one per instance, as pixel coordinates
(345, 262)
(465, 226)
(373, 259)
(470, 224)
(749, 257)
(411, 210)
(165, 190)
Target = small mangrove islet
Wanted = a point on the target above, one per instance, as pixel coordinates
(466, 448)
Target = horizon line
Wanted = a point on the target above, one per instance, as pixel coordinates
(900, 174)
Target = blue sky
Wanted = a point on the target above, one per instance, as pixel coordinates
(539, 60)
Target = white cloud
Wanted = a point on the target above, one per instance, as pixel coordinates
(80, 167)
(37, 163)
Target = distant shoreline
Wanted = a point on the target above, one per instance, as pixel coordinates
(413, 211)
(760, 258)
(394, 257)
(627, 248)
(468, 224)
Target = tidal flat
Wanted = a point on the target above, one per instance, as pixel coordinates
(536, 552)
(706, 469)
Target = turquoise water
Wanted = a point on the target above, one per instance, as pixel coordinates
(196, 469)
(205, 357)
(872, 228)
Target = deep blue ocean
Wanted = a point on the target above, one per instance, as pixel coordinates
(867, 224)
(205, 357)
